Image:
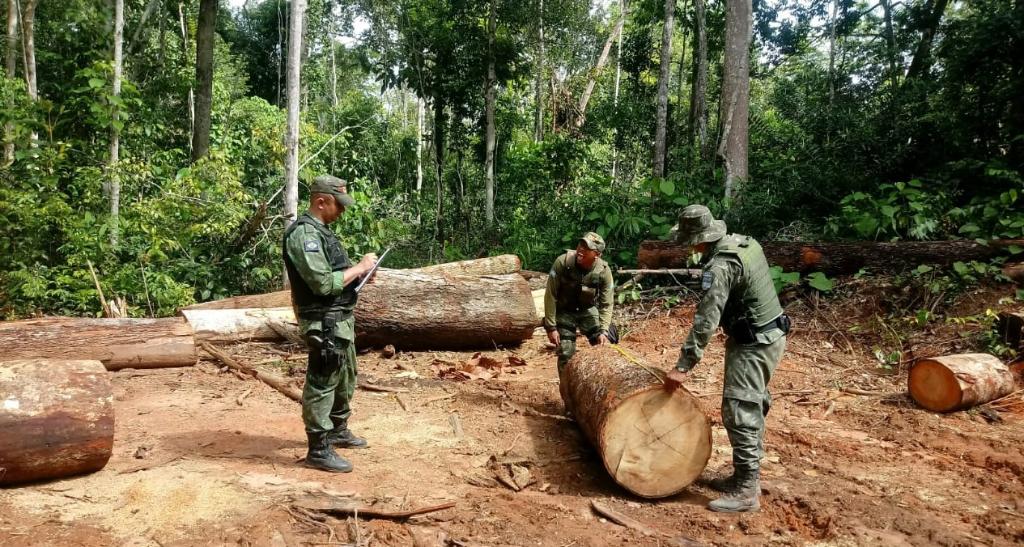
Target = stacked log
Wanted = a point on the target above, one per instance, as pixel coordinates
(842, 258)
(56, 419)
(117, 343)
(652, 442)
(956, 382)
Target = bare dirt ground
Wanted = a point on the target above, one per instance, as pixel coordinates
(203, 457)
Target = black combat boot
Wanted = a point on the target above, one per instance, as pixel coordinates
(342, 437)
(322, 456)
(744, 496)
(723, 484)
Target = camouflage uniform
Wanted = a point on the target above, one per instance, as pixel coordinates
(316, 264)
(741, 297)
(578, 299)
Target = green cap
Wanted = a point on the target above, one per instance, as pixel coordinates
(327, 184)
(697, 225)
(593, 241)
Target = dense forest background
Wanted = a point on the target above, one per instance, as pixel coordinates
(145, 139)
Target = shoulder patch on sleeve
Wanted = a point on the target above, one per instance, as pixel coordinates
(311, 246)
(707, 280)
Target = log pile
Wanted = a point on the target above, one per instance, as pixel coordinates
(956, 382)
(652, 442)
(56, 419)
(842, 258)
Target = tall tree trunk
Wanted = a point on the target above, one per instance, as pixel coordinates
(680, 71)
(11, 65)
(146, 14)
(334, 69)
(439, 124)
(28, 18)
(492, 83)
(664, 74)
(28, 49)
(115, 129)
(890, 45)
(292, 86)
(922, 55)
(581, 114)
(419, 144)
(698, 92)
(735, 106)
(834, 12)
(538, 113)
(615, 99)
(204, 78)
(184, 55)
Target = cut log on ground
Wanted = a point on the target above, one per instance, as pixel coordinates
(228, 325)
(842, 258)
(494, 265)
(117, 343)
(413, 310)
(56, 419)
(956, 382)
(1015, 272)
(654, 443)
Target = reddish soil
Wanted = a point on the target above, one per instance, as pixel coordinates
(203, 457)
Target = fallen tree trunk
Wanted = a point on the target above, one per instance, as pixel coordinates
(232, 325)
(415, 310)
(56, 419)
(117, 343)
(841, 258)
(280, 384)
(412, 310)
(494, 265)
(956, 382)
(497, 265)
(652, 442)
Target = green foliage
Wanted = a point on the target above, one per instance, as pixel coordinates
(783, 279)
(904, 210)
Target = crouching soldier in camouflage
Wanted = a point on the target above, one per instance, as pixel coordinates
(323, 282)
(741, 297)
(579, 295)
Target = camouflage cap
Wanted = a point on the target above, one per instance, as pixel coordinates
(697, 225)
(327, 184)
(593, 241)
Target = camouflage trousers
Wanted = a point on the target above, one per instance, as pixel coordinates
(586, 321)
(329, 387)
(745, 397)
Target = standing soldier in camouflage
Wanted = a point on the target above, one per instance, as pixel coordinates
(741, 297)
(580, 294)
(323, 282)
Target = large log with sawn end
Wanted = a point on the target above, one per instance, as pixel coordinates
(956, 382)
(117, 343)
(842, 258)
(415, 310)
(56, 419)
(652, 442)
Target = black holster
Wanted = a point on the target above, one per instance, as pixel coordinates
(744, 332)
(329, 350)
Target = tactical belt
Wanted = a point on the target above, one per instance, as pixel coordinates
(743, 332)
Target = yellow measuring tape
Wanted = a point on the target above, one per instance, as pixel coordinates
(636, 361)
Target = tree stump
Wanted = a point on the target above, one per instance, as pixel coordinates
(652, 442)
(56, 419)
(956, 382)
